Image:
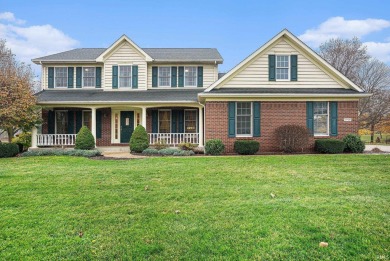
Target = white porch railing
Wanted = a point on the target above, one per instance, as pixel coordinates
(56, 139)
(173, 138)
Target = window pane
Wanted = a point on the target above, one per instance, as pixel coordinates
(87, 119)
(61, 77)
(61, 122)
(125, 76)
(321, 118)
(190, 76)
(164, 119)
(244, 118)
(282, 67)
(88, 76)
(190, 121)
(164, 76)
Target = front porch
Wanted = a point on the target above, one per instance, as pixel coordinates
(113, 126)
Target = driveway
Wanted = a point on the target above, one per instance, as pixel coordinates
(384, 148)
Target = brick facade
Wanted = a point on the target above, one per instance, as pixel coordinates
(273, 115)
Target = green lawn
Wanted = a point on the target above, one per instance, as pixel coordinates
(226, 211)
(367, 138)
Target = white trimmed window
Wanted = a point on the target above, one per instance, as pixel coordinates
(244, 119)
(89, 76)
(190, 76)
(321, 118)
(164, 121)
(190, 121)
(125, 76)
(61, 122)
(61, 76)
(282, 67)
(164, 76)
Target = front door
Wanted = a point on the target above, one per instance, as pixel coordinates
(127, 125)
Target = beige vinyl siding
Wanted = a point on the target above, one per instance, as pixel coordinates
(210, 72)
(255, 74)
(45, 71)
(125, 54)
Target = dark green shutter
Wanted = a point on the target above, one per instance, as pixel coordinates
(271, 67)
(70, 77)
(70, 122)
(333, 118)
(134, 80)
(115, 77)
(200, 76)
(79, 120)
(154, 76)
(310, 117)
(294, 67)
(232, 119)
(174, 76)
(256, 119)
(50, 122)
(98, 77)
(154, 121)
(180, 118)
(79, 72)
(181, 76)
(98, 124)
(50, 77)
(174, 121)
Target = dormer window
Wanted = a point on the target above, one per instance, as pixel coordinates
(61, 77)
(89, 77)
(125, 76)
(282, 67)
(190, 76)
(164, 76)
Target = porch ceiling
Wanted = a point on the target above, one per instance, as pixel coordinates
(109, 97)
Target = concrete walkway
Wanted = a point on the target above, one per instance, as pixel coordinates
(121, 155)
(383, 148)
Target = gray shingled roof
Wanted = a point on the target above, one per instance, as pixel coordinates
(100, 96)
(284, 90)
(159, 54)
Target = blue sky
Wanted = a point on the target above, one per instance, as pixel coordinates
(237, 28)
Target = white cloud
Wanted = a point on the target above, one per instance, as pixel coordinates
(10, 17)
(28, 42)
(338, 27)
(381, 51)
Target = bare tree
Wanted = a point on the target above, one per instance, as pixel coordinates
(350, 57)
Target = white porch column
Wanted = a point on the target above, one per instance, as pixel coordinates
(34, 140)
(93, 124)
(143, 117)
(201, 127)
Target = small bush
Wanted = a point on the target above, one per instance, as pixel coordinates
(84, 139)
(161, 144)
(331, 146)
(187, 146)
(184, 153)
(139, 140)
(24, 139)
(167, 152)
(58, 152)
(150, 151)
(8, 150)
(214, 147)
(292, 138)
(246, 147)
(353, 144)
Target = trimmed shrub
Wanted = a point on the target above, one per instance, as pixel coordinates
(214, 147)
(139, 140)
(292, 138)
(184, 153)
(8, 150)
(150, 151)
(84, 139)
(167, 152)
(246, 147)
(187, 146)
(353, 144)
(331, 146)
(23, 140)
(58, 152)
(161, 144)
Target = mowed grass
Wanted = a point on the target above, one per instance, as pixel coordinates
(196, 208)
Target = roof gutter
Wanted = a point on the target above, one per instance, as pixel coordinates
(282, 95)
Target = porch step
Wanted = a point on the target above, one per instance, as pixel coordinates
(114, 149)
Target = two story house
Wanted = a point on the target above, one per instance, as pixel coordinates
(176, 94)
